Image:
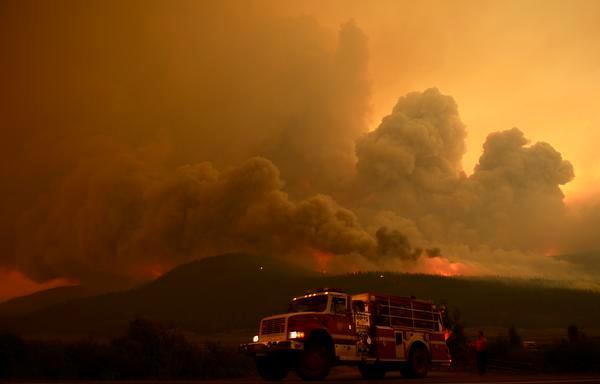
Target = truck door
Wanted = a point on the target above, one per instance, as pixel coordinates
(343, 334)
(343, 315)
(385, 342)
(400, 346)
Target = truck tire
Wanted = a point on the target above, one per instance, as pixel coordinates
(418, 363)
(371, 372)
(316, 359)
(272, 368)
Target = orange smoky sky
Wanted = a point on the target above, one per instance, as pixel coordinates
(451, 137)
(529, 64)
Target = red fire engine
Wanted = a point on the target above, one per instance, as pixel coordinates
(327, 327)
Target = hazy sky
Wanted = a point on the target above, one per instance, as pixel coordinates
(130, 130)
(534, 65)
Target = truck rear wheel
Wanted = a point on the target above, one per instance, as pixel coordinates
(272, 368)
(418, 363)
(371, 372)
(315, 360)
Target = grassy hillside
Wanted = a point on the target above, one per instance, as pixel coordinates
(588, 262)
(26, 304)
(488, 302)
(211, 295)
(232, 292)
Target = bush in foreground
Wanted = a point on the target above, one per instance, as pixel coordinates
(147, 351)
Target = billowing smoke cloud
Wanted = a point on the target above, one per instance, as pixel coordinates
(411, 165)
(503, 219)
(414, 155)
(514, 199)
(100, 121)
(201, 212)
(141, 142)
(395, 244)
(116, 217)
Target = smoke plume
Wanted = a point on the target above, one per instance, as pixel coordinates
(414, 155)
(140, 135)
(411, 165)
(117, 216)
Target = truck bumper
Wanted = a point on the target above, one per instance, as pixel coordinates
(263, 349)
(441, 363)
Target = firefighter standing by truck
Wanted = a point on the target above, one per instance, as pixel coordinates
(481, 352)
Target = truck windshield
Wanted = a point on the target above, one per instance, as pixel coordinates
(309, 304)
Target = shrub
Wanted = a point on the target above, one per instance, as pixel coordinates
(147, 351)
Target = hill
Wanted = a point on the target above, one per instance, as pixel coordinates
(588, 262)
(233, 291)
(204, 296)
(38, 300)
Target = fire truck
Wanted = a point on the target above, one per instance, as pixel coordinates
(326, 327)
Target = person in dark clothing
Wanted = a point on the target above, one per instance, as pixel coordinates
(481, 353)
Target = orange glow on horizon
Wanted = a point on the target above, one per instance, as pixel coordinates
(322, 259)
(444, 267)
(15, 284)
(150, 271)
(551, 251)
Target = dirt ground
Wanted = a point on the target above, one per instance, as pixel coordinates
(350, 375)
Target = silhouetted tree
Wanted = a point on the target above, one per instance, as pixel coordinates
(514, 339)
(147, 350)
(12, 355)
(575, 354)
(573, 333)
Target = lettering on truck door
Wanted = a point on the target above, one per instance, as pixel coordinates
(362, 327)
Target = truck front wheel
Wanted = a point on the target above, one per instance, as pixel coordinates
(418, 363)
(315, 361)
(272, 368)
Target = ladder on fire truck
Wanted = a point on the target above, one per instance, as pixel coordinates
(406, 312)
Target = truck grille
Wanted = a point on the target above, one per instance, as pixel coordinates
(270, 326)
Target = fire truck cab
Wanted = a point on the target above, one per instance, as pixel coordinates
(327, 327)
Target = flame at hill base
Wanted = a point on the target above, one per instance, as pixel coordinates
(322, 260)
(14, 283)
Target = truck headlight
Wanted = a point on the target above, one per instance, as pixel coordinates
(296, 335)
(255, 339)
